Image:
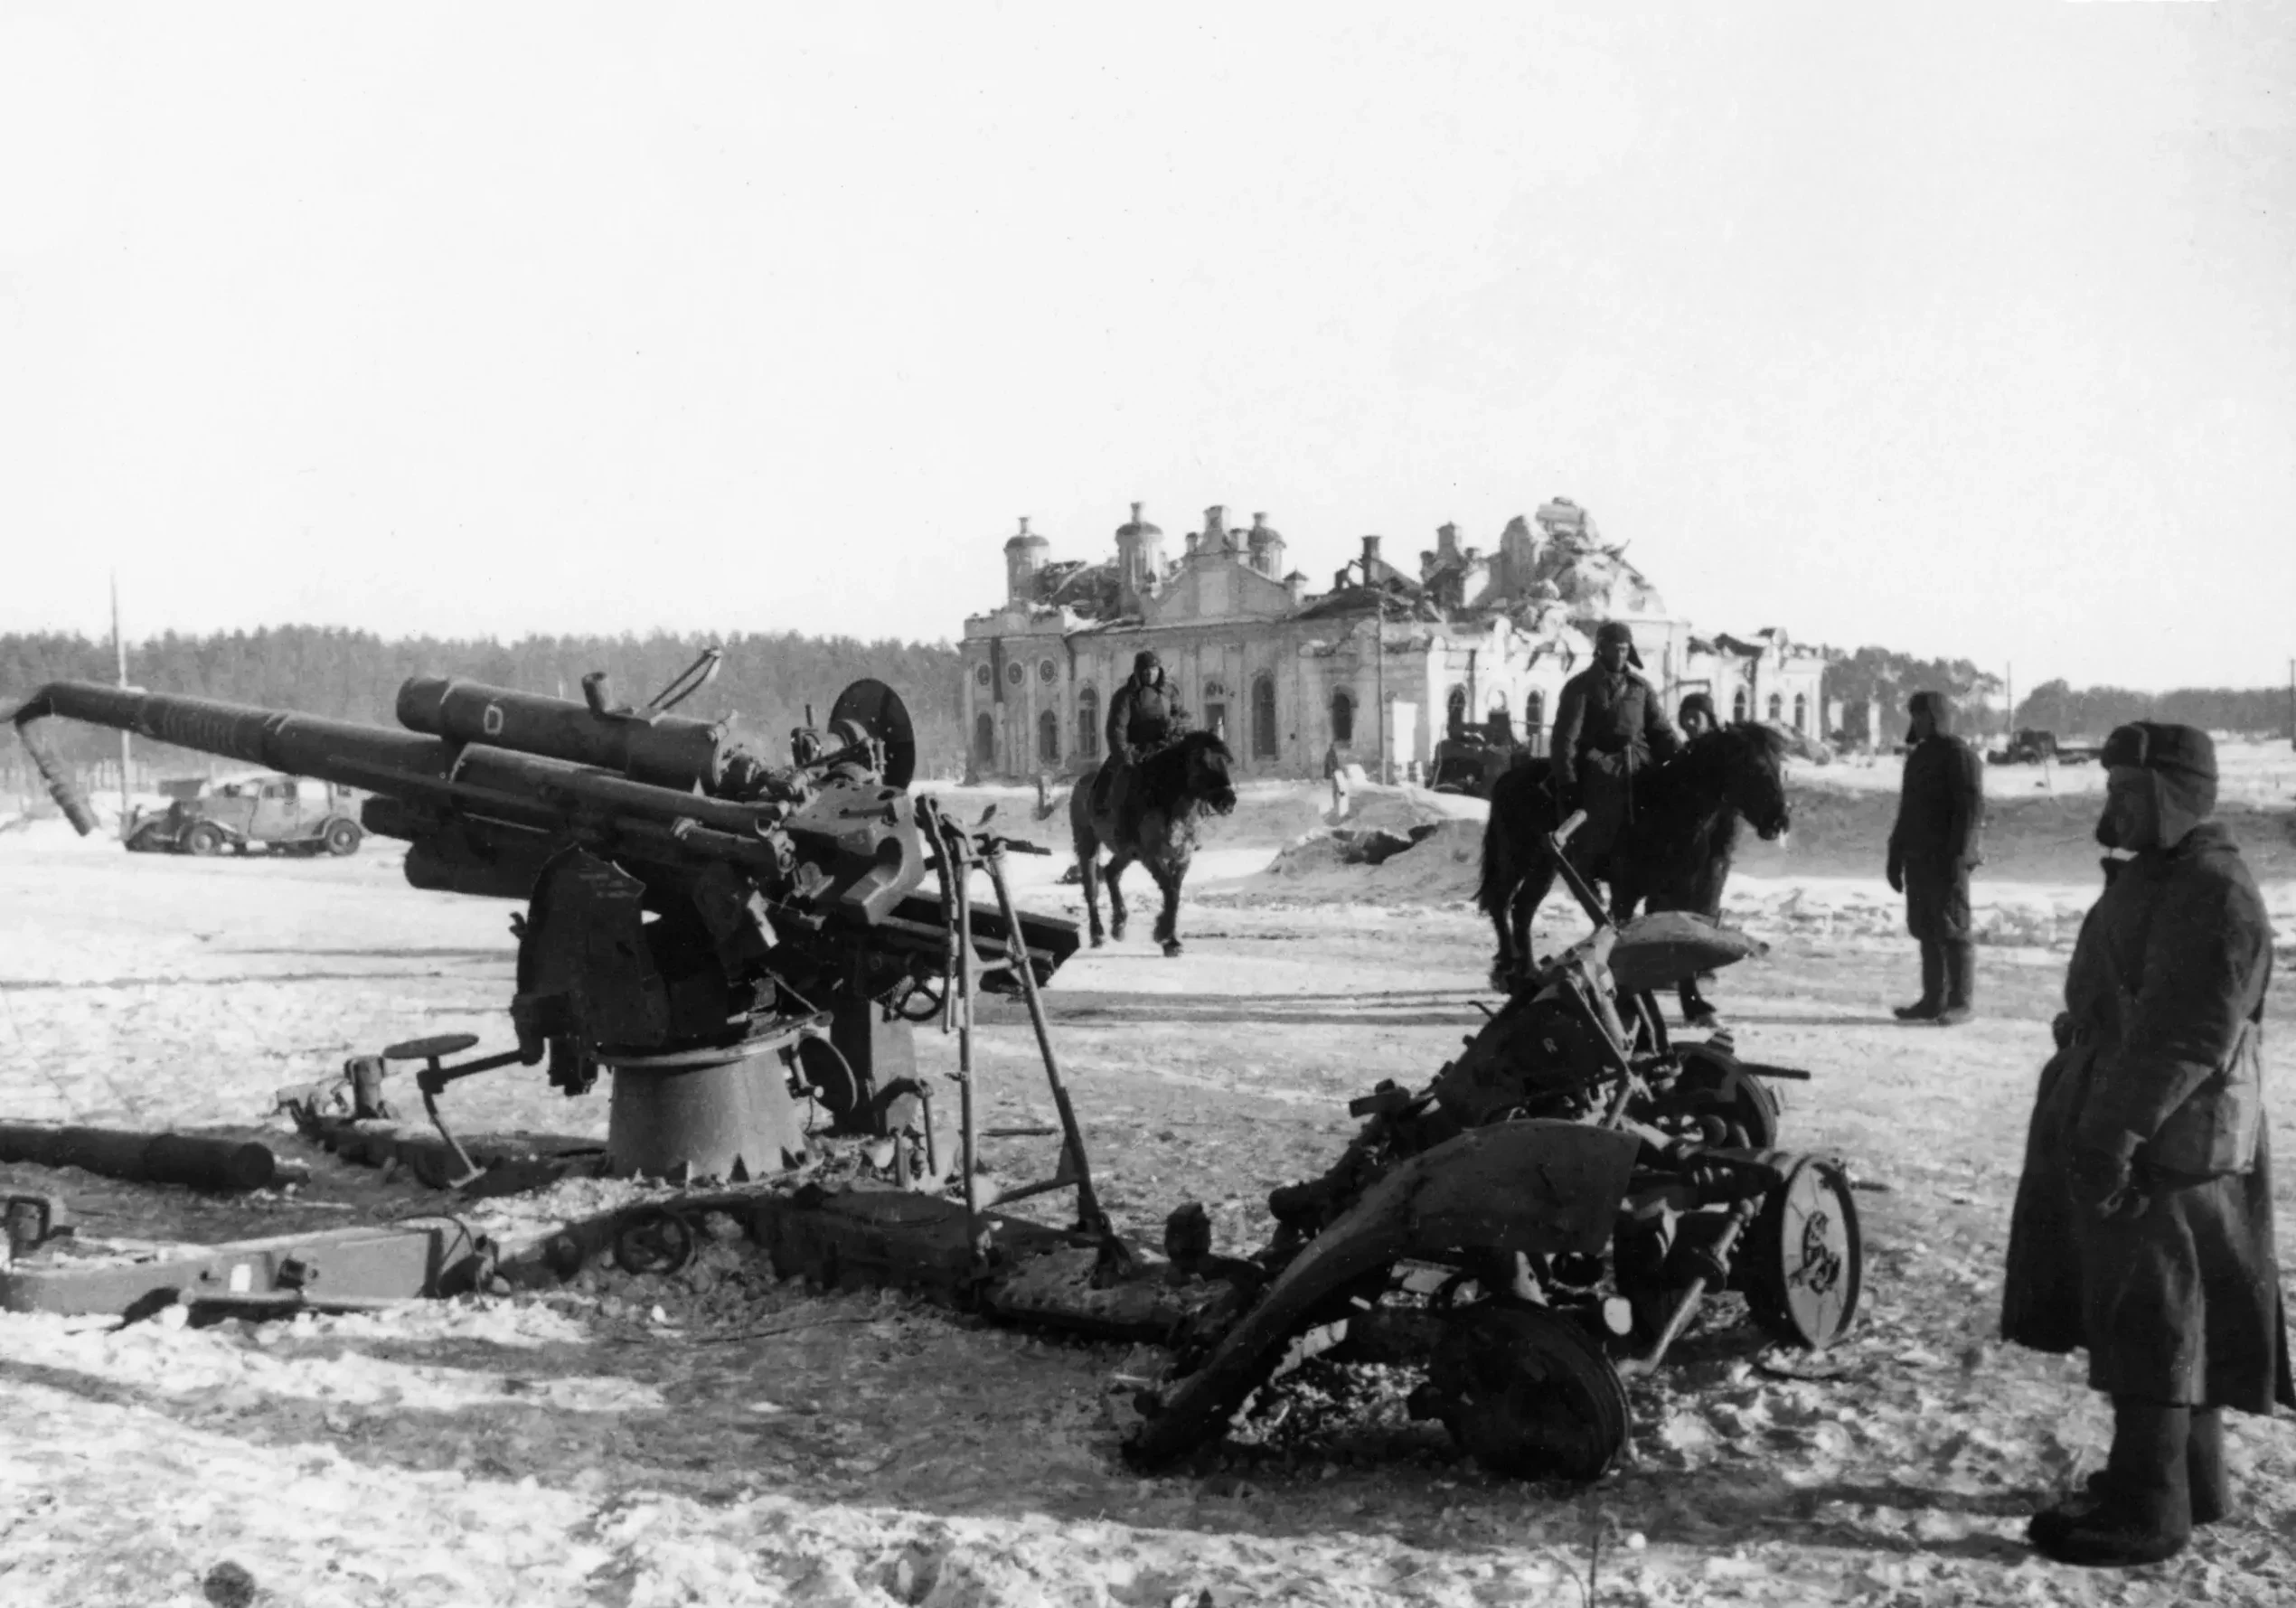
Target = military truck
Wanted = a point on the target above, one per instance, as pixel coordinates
(2033, 746)
(286, 814)
(1471, 763)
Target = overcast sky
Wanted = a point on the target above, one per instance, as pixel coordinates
(1963, 329)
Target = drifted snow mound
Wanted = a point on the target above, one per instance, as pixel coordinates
(1441, 868)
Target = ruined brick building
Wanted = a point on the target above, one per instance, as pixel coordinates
(1385, 662)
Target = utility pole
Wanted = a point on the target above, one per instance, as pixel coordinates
(1379, 668)
(2008, 693)
(119, 656)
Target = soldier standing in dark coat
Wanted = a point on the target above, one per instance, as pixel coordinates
(1608, 725)
(1143, 717)
(1940, 811)
(2143, 1226)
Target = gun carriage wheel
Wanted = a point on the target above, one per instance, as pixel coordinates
(1713, 1084)
(1528, 1393)
(1805, 1257)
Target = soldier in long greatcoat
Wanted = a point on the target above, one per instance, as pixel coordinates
(1608, 725)
(2143, 1224)
(1933, 849)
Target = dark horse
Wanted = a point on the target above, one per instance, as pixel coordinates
(1675, 854)
(1154, 823)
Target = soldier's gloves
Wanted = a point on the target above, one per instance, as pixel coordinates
(1897, 874)
(2105, 1181)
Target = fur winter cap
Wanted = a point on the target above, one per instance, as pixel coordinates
(1699, 703)
(1145, 660)
(1611, 631)
(2183, 762)
(1940, 708)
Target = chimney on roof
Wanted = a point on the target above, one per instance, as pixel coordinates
(1448, 541)
(1370, 556)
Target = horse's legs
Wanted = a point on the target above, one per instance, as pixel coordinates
(1168, 923)
(1530, 893)
(1088, 871)
(1117, 860)
(1696, 1012)
(1508, 956)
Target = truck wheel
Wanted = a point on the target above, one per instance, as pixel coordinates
(203, 839)
(342, 837)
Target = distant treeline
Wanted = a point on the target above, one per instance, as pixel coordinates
(2058, 707)
(1893, 677)
(766, 681)
(2053, 706)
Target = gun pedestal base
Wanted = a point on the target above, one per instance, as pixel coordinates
(725, 1114)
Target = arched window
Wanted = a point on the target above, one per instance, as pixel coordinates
(1802, 713)
(1263, 717)
(1499, 724)
(1342, 717)
(1777, 708)
(1455, 711)
(1088, 724)
(1534, 712)
(1737, 704)
(1049, 737)
(984, 737)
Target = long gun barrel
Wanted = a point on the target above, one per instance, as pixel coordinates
(730, 889)
(687, 904)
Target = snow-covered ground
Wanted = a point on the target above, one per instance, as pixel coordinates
(718, 1437)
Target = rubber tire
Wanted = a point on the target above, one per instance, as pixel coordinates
(1534, 1397)
(341, 839)
(203, 839)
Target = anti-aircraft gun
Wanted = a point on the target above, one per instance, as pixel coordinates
(697, 919)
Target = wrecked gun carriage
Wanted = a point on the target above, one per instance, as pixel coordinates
(690, 909)
(1537, 1225)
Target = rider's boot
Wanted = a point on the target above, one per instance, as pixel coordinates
(1933, 985)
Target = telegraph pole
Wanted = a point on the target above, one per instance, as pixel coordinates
(119, 656)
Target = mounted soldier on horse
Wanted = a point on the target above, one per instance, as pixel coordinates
(1157, 780)
(1609, 726)
(1662, 816)
(1143, 717)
